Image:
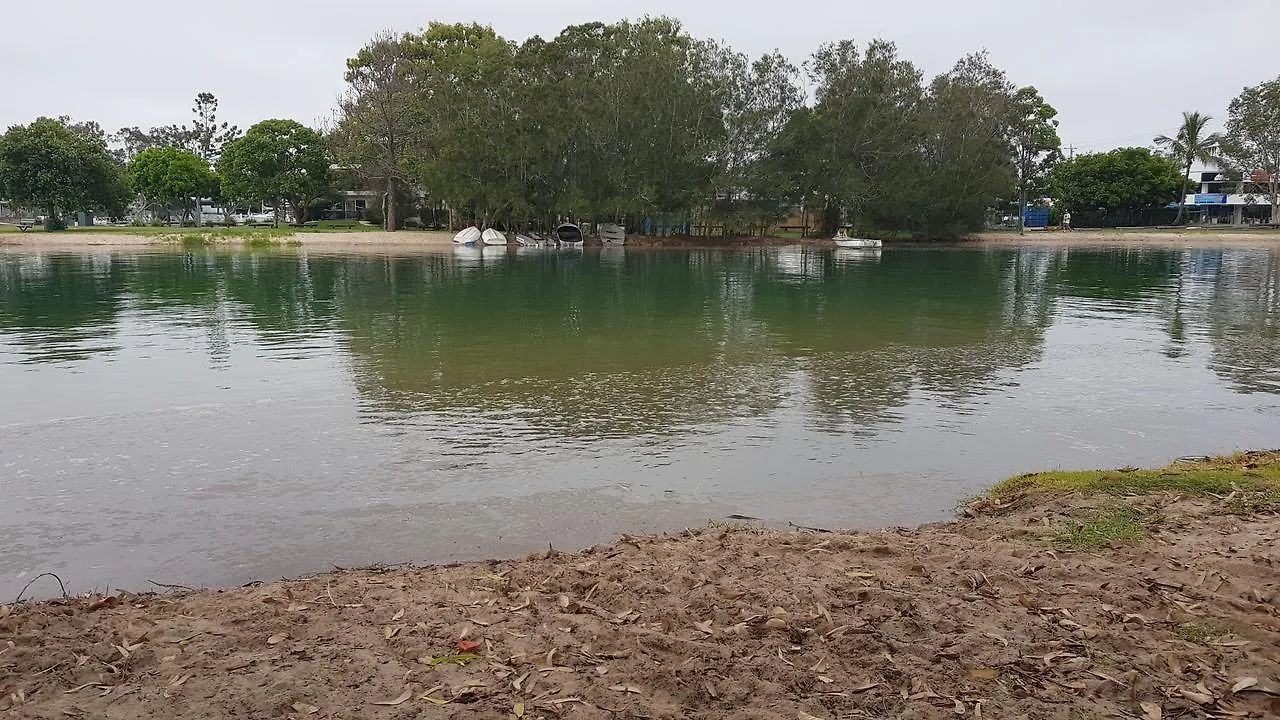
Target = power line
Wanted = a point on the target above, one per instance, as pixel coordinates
(1148, 136)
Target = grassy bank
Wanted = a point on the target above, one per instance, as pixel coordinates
(1014, 611)
(1241, 484)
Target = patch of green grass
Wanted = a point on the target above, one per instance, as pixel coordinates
(1197, 632)
(320, 226)
(195, 240)
(1257, 472)
(1119, 524)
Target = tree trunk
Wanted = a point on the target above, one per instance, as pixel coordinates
(1022, 209)
(389, 217)
(275, 213)
(1275, 199)
(830, 220)
(1182, 197)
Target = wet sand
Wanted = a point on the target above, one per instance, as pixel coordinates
(987, 617)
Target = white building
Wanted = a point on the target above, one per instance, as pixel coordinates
(1218, 200)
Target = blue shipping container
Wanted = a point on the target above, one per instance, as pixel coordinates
(1035, 217)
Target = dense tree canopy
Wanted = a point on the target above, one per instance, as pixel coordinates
(1120, 187)
(276, 161)
(56, 168)
(638, 121)
(169, 178)
(632, 120)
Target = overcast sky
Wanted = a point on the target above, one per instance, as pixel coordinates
(1118, 71)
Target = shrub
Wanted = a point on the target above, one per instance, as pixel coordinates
(373, 215)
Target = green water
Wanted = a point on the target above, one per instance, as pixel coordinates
(232, 416)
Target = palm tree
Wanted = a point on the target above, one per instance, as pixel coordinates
(1188, 145)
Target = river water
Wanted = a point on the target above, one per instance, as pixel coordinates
(213, 418)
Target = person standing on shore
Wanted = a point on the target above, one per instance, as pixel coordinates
(1066, 221)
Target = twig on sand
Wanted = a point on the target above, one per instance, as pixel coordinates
(34, 579)
(168, 586)
(805, 528)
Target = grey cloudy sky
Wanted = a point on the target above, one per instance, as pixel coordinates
(1119, 71)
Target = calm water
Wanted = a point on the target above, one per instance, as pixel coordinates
(213, 418)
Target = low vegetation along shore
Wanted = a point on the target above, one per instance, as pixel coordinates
(1126, 593)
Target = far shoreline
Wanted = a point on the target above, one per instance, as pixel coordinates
(373, 241)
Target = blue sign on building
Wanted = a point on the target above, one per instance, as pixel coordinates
(1211, 198)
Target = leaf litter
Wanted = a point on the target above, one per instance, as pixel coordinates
(973, 619)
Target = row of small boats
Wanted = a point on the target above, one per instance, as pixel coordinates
(570, 235)
(565, 235)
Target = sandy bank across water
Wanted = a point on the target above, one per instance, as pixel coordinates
(434, 241)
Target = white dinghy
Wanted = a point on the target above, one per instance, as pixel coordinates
(468, 236)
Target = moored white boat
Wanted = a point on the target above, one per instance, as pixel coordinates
(611, 234)
(493, 237)
(469, 236)
(844, 241)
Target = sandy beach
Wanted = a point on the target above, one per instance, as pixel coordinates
(410, 240)
(1155, 598)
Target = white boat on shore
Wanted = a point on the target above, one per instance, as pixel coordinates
(613, 234)
(469, 236)
(493, 237)
(569, 235)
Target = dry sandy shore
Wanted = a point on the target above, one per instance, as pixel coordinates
(407, 241)
(984, 618)
(94, 240)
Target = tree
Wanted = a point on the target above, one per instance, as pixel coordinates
(56, 168)
(169, 178)
(967, 164)
(867, 116)
(759, 98)
(375, 130)
(1036, 145)
(1252, 141)
(1120, 187)
(1189, 145)
(623, 121)
(466, 118)
(207, 137)
(276, 161)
